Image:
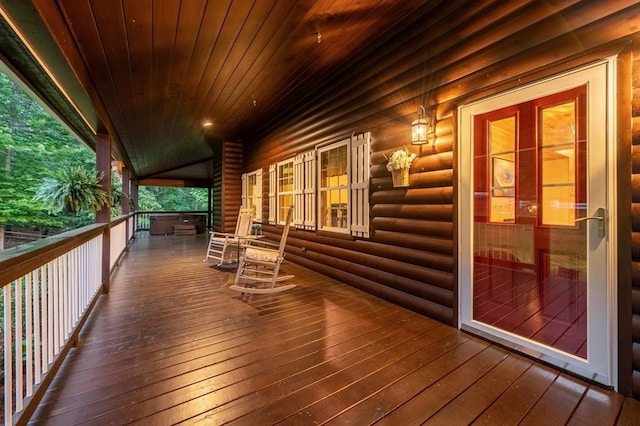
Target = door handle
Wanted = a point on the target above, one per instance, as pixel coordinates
(600, 216)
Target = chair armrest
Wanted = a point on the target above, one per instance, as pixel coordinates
(222, 234)
(260, 244)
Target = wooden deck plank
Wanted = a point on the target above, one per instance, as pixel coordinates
(261, 393)
(465, 408)
(183, 372)
(421, 407)
(232, 383)
(349, 385)
(386, 400)
(333, 406)
(599, 406)
(172, 343)
(558, 402)
(514, 404)
(214, 360)
(630, 413)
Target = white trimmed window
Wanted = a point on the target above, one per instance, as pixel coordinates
(333, 187)
(329, 188)
(252, 193)
(284, 189)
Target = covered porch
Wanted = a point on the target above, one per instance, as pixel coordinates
(172, 343)
(247, 99)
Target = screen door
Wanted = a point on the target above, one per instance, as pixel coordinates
(535, 269)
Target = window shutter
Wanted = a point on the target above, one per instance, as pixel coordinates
(245, 191)
(310, 179)
(360, 184)
(298, 188)
(258, 217)
(273, 212)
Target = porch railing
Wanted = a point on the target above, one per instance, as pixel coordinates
(118, 240)
(48, 290)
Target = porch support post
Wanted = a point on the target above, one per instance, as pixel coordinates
(210, 208)
(126, 193)
(103, 164)
(134, 195)
(133, 198)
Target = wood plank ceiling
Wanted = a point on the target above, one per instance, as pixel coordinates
(161, 68)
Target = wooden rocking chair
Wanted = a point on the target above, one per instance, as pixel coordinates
(259, 266)
(224, 247)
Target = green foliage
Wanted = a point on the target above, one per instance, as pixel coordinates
(35, 148)
(174, 199)
(117, 196)
(147, 200)
(31, 145)
(72, 189)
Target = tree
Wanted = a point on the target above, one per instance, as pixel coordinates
(179, 199)
(32, 144)
(72, 189)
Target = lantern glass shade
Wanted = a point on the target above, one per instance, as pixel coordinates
(419, 130)
(423, 127)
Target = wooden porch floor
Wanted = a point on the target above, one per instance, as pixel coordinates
(172, 344)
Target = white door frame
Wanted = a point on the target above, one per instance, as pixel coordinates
(601, 364)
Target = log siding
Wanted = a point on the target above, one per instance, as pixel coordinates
(227, 185)
(410, 256)
(635, 224)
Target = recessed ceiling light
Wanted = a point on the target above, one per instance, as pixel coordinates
(207, 123)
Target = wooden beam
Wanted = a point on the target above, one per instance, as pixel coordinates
(103, 164)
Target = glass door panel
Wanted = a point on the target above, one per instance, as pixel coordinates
(558, 172)
(502, 148)
(530, 255)
(536, 242)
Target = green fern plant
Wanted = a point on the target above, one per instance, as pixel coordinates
(72, 189)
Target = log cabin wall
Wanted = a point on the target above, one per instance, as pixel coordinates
(216, 189)
(227, 185)
(635, 179)
(410, 257)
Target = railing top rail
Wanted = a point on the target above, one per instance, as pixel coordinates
(119, 219)
(20, 260)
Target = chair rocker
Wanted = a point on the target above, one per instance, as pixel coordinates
(224, 247)
(259, 266)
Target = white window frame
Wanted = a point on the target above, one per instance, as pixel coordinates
(281, 210)
(321, 150)
(306, 187)
(255, 199)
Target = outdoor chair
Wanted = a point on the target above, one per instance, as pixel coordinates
(259, 266)
(224, 247)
